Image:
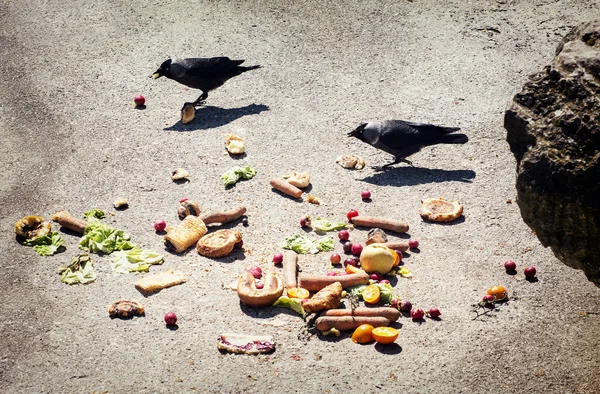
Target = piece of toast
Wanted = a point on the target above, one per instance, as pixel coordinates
(156, 282)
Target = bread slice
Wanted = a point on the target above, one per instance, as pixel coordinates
(156, 282)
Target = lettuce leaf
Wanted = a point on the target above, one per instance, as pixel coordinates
(81, 270)
(303, 245)
(99, 237)
(47, 245)
(234, 174)
(324, 225)
(291, 303)
(135, 260)
(94, 213)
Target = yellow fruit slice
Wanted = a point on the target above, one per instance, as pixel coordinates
(350, 269)
(385, 335)
(298, 292)
(440, 210)
(499, 292)
(396, 257)
(363, 334)
(371, 294)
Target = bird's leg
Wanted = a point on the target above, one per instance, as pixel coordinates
(200, 100)
(396, 161)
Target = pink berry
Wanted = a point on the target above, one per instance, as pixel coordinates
(384, 282)
(256, 271)
(530, 272)
(417, 314)
(170, 319)
(510, 265)
(488, 298)
(376, 277)
(139, 100)
(413, 244)
(183, 199)
(352, 213)
(365, 194)
(335, 258)
(434, 313)
(259, 284)
(278, 258)
(343, 235)
(357, 249)
(160, 225)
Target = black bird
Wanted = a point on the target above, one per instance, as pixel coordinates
(205, 74)
(401, 138)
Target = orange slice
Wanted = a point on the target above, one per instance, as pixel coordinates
(298, 292)
(440, 210)
(363, 334)
(350, 269)
(371, 294)
(397, 257)
(385, 335)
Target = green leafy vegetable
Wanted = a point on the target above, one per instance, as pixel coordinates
(47, 245)
(99, 237)
(291, 303)
(321, 224)
(234, 174)
(94, 213)
(303, 245)
(135, 260)
(81, 270)
(356, 291)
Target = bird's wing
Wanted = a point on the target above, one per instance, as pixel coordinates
(213, 67)
(397, 134)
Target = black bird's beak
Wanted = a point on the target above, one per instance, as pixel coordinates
(355, 132)
(156, 74)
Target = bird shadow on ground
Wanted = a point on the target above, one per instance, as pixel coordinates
(210, 117)
(410, 176)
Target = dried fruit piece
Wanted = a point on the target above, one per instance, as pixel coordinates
(234, 144)
(187, 208)
(218, 244)
(32, 227)
(188, 113)
(125, 309)
(351, 161)
(179, 174)
(440, 210)
(298, 179)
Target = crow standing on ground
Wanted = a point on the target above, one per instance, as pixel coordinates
(205, 74)
(401, 138)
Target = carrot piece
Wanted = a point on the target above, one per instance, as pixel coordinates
(386, 224)
(285, 187)
(344, 323)
(392, 314)
(317, 282)
(223, 216)
(290, 268)
(65, 219)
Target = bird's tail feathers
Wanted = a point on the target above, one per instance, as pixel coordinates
(248, 68)
(448, 130)
(454, 139)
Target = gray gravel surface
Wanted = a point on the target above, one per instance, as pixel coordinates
(71, 139)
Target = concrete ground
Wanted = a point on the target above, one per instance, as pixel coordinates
(72, 140)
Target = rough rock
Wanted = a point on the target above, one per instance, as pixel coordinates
(553, 129)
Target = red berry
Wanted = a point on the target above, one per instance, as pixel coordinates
(170, 319)
(139, 100)
(396, 303)
(434, 313)
(278, 258)
(376, 277)
(384, 282)
(160, 225)
(530, 272)
(335, 258)
(183, 199)
(352, 213)
(347, 247)
(488, 298)
(413, 243)
(351, 261)
(405, 306)
(343, 235)
(510, 265)
(256, 271)
(365, 194)
(259, 284)
(305, 222)
(356, 249)
(417, 314)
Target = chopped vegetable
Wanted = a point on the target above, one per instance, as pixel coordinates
(303, 245)
(135, 260)
(324, 225)
(94, 213)
(405, 272)
(47, 245)
(291, 303)
(80, 270)
(234, 174)
(99, 237)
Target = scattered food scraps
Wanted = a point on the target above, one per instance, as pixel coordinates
(188, 113)
(81, 270)
(246, 344)
(125, 309)
(234, 144)
(219, 243)
(135, 260)
(121, 203)
(187, 208)
(179, 174)
(31, 227)
(234, 174)
(47, 245)
(157, 282)
(351, 162)
(440, 210)
(183, 236)
(303, 245)
(298, 179)
(252, 296)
